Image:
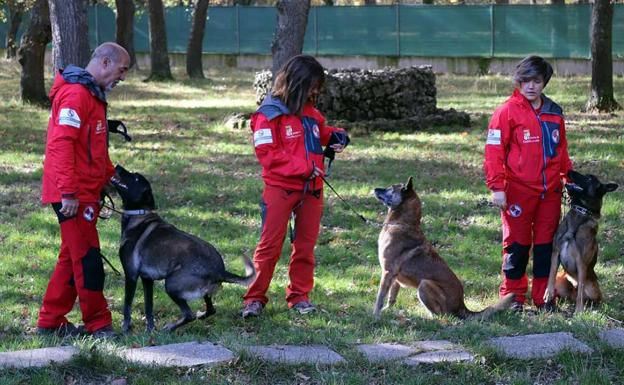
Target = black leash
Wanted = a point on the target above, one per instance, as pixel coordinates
(368, 222)
(107, 216)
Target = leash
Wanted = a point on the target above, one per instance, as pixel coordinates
(106, 196)
(368, 222)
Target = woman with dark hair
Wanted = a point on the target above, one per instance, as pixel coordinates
(526, 160)
(289, 134)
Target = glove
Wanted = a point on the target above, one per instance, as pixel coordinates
(113, 126)
(337, 137)
(499, 199)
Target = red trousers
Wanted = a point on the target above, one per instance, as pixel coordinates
(79, 272)
(529, 221)
(277, 205)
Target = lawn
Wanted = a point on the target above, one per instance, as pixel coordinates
(206, 181)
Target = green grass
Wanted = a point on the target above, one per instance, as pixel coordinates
(206, 181)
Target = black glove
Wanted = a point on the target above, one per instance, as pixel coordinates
(337, 137)
(113, 126)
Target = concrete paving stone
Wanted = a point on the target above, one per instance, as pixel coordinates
(435, 345)
(290, 354)
(385, 352)
(37, 357)
(613, 338)
(538, 345)
(440, 356)
(181, 355)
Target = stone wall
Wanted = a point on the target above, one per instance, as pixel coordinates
(390, 99)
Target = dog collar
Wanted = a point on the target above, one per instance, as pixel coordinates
(136, 212)
(582, 210)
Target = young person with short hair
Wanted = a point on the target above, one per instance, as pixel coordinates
(526, 159)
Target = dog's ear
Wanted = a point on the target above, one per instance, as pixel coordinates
(408, 185)
(611, 187)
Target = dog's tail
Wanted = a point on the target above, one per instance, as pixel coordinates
(250, 272)
(489, 311)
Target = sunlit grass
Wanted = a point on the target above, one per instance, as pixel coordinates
(206, 181)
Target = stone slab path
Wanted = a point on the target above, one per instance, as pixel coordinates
(181, 355)
(613, 338)
(294, 355)
(37, 357)
(419, 352)
(538, 345)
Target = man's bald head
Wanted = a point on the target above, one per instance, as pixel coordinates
(110, 50)
(109, 65)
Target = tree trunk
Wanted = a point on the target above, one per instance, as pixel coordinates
(370, 2)
(601, 96)
(194, 67)
(31, 54)
(15, 13)
(556, 2)
(69, 33)
(125, 27)
(292, 20)
(159, 54)
(328, 2)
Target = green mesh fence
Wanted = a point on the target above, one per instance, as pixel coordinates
(560, 31)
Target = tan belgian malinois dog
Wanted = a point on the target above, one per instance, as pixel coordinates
(408, 259)
(575, 244)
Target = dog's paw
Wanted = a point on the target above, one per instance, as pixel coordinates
(204, 314)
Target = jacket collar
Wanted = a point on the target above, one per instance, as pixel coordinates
(548, 106)
(76, 75)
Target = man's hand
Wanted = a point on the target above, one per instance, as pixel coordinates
(69, 207)
(499, 199)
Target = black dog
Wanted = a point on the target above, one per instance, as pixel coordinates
(575, 244)
(152, 249)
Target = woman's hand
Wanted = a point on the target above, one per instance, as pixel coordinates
(499, 199)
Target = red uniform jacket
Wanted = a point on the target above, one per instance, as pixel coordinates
(76, 161)
(288, 146)
(526, 147)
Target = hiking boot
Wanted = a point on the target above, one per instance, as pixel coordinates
(252, 309)
(65, 330)
(104, 333)
(517, 307)
(304, 307)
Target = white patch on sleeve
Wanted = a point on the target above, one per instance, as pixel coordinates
(263, 136)
(69, 117)
(493, 137)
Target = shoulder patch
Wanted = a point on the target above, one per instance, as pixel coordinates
(493, 137)
(263, 136)
(69, 117)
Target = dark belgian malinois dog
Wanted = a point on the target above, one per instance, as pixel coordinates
(153, 249)
(575, 244)
(407, 259)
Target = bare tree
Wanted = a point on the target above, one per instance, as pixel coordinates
(194, 67)
(601, 95)
(69, 33)
(370, 2)
(124, 33)
(15, 11)
(292, 20)
(159, 54)
(31, 55)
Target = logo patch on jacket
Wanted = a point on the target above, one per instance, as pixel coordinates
(555, 136)
(493, 137)
(316, 131)
(290, 134)
(528, 138)
(99, 128)
(88, 213)
(515, 210)
(263, 136)
(69, 117)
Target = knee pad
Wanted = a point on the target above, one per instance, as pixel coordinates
(93, 270)
(515, 260)
(541, 260)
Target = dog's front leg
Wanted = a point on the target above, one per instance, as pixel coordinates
(386, 280)
(131, 283)
(549, 295)
(581, 269)
(148, 297)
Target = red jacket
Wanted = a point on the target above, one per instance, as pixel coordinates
(76, 161)
(526, 147)
(287, 146)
